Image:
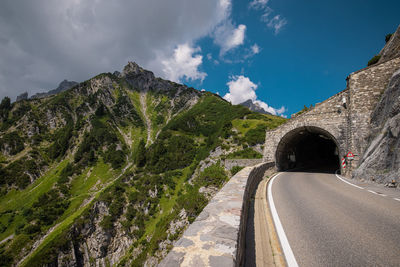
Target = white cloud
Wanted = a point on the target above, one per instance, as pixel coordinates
(258, 4)
(270, 109)
(184, 64)
(241, 88)
(228, 37)
(43, 42)
(255, 49)
(211, 59)
(266, 14)
(277, 23)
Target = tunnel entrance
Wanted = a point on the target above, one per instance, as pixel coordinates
(308, 149)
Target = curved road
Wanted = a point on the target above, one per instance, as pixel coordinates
(331, 223)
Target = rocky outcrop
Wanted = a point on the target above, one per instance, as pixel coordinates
(23, 96)
(63, 86)
(392, 47)
(381, 160)
(90, 244)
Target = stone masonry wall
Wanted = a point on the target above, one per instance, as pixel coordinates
(229, 163)
(329, 115)
(366, 88)
(217, 236)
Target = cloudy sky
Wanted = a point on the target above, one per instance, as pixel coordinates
(282, 54)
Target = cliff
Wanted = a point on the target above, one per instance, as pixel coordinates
(381, 161)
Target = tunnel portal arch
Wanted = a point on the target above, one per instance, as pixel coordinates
(308, 148)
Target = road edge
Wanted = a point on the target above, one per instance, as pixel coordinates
(278, 256)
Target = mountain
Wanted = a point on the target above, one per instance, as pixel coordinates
(64, 85)
(112, 170)
(254, 107)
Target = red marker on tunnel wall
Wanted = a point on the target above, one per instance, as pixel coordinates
(343, 163)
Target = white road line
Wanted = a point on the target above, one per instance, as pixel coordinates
(376, 193)
(343, 180)
(287, 250)
(396, 199)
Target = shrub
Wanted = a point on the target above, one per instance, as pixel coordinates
(388, 36)
(256, 135)
(170, 153)
(236, 169)
(213, 175)
(2, 228)
(107, 223)
(48, 208)
(99, 136)
(30, 229)
(14, 141)
(374, 60)
(115, 157)
(140, 154)
(61, 140)
(247, 153)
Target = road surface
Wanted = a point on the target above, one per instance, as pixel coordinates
(328, 222)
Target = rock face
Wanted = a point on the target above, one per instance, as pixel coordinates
(23, 96)
(254, 107)
(64, 85)
(91, 244)
(392, 48)
(381, 161)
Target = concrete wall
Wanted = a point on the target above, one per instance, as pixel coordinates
(229, 163)
(217, 236)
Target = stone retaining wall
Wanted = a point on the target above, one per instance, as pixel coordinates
(217, 236)
(229, 163)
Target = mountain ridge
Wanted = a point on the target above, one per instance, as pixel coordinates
(79, 178)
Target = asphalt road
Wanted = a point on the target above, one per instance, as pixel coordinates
(331, 223)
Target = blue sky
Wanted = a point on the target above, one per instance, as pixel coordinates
(308, 60)
(282, 53)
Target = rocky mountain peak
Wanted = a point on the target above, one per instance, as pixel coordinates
(138, 77)
(253, 106)
(134, 69)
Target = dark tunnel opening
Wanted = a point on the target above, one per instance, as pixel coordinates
(309, 149)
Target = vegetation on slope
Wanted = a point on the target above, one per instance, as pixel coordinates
(64, 157)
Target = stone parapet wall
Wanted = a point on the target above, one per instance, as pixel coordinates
(217, 236)
(229, 163)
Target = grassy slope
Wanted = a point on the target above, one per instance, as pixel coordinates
(210, 115)
(17, 200)
(75, 211)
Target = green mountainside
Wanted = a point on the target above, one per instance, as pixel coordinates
(115, 168)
